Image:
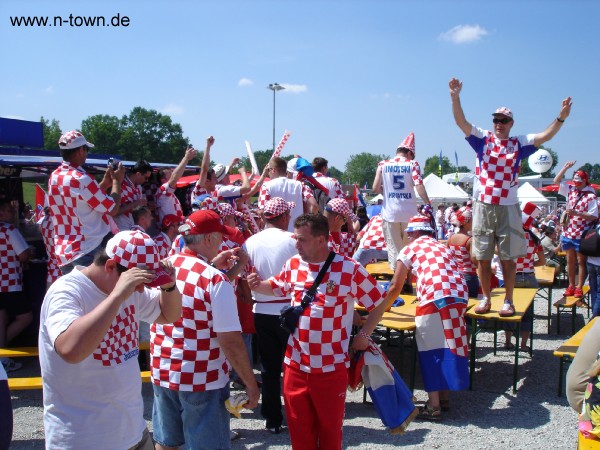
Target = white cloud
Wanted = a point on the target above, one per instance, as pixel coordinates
(50, 90)
(173, 110)
(245, 82)
(295, 88)
(464, 34)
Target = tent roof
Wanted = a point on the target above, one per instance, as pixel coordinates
(527, 193)
(440, 191)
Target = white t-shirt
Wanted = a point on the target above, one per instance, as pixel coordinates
(290, 191)
(399, 176)
(96, 403)
(268, 251)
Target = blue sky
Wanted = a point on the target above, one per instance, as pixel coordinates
(360, 75)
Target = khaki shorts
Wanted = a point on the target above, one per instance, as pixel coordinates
(395, 240)
(501, 225)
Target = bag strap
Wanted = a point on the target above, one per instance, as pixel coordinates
(313, 289)
(578, 198)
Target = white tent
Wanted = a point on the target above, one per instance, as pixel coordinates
(439, 191)
(527, 193)
(463, 177)
(375, 199)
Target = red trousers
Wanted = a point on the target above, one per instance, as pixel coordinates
(314, 406)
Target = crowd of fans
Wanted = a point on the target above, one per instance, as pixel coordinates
(198, 272)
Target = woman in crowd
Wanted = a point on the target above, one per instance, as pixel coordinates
(460, 248)
(582, 209)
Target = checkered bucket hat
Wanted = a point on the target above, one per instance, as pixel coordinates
(136, 249)
(276, 206)
(338, 205)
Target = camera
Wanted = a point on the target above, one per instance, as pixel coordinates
(113, 163)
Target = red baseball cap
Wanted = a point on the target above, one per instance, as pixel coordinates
(203, 222)
(171, 219)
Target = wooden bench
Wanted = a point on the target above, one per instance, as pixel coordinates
(566, 352)
(19, 384)
(27, 383)
(546, 279)
(570, 303)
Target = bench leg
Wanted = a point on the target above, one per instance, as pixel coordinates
(515, 371)
(473, 349)
(560, 376)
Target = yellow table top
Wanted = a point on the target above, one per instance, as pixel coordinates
(570, 346)
(381, 268)
(544, 275)
(401, 318)
(522, 299)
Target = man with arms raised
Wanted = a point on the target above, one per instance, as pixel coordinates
(496, 211)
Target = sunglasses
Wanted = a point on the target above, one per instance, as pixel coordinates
(503, 121)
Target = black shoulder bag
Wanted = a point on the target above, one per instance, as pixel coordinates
(290, 315)
(590, 241)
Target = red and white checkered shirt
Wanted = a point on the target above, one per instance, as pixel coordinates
(177, 245)
(120, 342)
(334, 186)
(437, 272)
(130, 192)
(185, 354)
(342, 243)
(197, 191)
(587, 204)
(47, 230)
(526, 263)
(79, 209)
(462, 256)
(320, 342)
(371, 236)
(12, 245)
(497, 165)
(167, 202)
(163, 243)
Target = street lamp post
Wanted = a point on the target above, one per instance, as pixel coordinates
(274, 87)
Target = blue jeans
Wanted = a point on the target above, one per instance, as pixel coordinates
(363, 255)
(594, 277)
(197, 419)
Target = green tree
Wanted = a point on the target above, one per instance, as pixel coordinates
(593, 171)
(262, 158)
(361, 168)
(334, 172)
(526, 170)
(433, 162)
(52, 133)
(105, 132)
(150, 135)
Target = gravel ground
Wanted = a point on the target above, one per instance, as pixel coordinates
(489, 416)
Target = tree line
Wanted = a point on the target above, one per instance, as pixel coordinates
(150, 135)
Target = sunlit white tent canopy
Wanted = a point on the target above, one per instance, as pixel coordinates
(439, 191)
(527, 193)
(463, 177)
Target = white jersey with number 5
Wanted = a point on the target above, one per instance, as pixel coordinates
(399, 177)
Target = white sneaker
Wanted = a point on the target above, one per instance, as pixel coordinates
(484, 306)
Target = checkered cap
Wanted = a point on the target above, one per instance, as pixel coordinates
(580, 176)
(136, 249)
(503, 111)
(530, 212)
(291, 166)
(338, 205)
(220, 172)
(464, 215)
(277, 206)
(73, 139)
(419, 223)
(171, 219)
(225, 209)
(409, 142)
